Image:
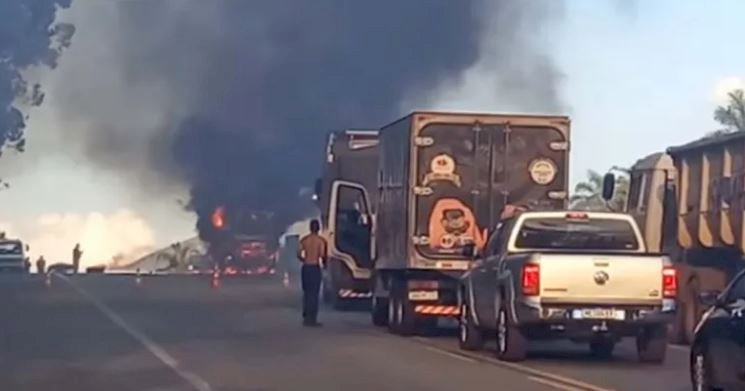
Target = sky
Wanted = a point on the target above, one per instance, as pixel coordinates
(638, 76)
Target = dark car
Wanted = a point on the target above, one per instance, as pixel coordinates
(718, 349)
(61, 268)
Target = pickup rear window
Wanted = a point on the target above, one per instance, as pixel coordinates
(576, 234)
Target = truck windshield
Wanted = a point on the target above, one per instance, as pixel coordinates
(10, 247)
(568, 234)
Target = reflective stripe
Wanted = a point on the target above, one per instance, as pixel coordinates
(350, 294)
(449, 310)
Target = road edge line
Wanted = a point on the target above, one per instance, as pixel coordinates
(519, 368)
(552, 384)
(161, 354)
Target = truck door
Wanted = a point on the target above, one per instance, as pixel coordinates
(350, 225)
(452, 189)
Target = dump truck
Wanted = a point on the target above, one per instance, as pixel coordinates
(244, 242)
(689, 203)
(348, 183)
(443, 180)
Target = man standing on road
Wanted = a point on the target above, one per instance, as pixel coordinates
(312, 253)
(41, 265)
(76, 255)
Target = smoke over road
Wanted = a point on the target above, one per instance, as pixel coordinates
(232, 98)
(27, 38)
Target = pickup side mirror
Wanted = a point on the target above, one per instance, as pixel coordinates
(609, 186)
(710, 298)
(470, 251)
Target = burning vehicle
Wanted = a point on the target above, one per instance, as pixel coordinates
(244, 241)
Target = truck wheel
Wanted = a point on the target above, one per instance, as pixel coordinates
(651, 344)
(677, 327)
(379, 311)
(602, 348)
(407, 318)
(690, 318)
(511, 343)
(393, 314)
(470, 337)
(327, 293)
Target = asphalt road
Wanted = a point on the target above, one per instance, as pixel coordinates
(177, 333)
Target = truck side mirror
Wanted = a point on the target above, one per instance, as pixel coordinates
(609, 186)
(317, 189)
(709, 298)
(365, 219)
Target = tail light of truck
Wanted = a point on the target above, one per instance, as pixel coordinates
(669, 282)
(531, 279)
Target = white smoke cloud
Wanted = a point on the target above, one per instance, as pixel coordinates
(726, 85)
(102, 237)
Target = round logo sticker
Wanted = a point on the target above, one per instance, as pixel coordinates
(442, 164)
(542, 171)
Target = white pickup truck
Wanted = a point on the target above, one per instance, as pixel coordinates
(581, 276)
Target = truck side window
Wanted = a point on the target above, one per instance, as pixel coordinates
(353, 233)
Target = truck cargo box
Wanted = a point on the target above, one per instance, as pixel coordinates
(444, 177)
(711, 192)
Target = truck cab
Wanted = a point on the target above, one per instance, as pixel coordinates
(688, 204)
(346, 196)
(13, 256)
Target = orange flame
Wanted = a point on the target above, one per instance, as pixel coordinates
(218, 217)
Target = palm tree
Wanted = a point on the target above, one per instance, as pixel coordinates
(588, 195)
(732, 116)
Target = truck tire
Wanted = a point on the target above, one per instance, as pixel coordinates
(651, 344)
(602, 348)
(470, 337)
(407, 318)
(326, 293)
(393, 321)
(691, 316)
(379, 311)
(511, 343)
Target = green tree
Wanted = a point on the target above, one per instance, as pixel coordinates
(588, 194)
(732, 116)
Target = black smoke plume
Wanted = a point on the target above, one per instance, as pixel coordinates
(28, 37)
(238, 95)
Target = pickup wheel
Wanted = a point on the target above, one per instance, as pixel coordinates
(379, 311)
(470, 337)
(651, 344)
(602, 348)
(511, 343)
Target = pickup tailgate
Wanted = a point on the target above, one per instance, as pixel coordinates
(601, 279)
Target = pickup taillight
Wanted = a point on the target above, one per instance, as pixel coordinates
(669, 282)
(531, 279)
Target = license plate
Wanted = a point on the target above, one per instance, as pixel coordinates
(599, 313)
(423, 295)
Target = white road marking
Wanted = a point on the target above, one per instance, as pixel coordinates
(680, 348)
(579, 385)
(450, 354)
(552, 384)
(194, 380)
